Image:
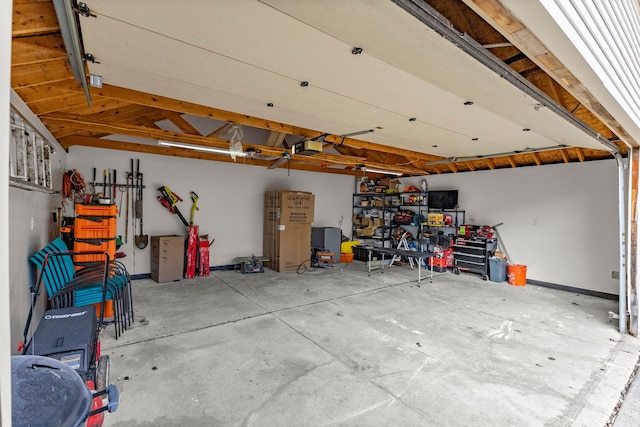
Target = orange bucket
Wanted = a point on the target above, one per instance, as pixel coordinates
(517, 274)
(346, 257)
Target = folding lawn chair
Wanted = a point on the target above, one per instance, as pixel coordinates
(71, 285)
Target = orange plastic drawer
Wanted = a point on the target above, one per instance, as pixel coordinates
(95, 227)
(96, 210)
(108, 246)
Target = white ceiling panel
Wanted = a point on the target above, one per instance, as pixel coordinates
(241, 55)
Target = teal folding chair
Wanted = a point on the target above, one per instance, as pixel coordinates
(97, 282)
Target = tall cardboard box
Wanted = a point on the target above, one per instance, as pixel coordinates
(287, 229)
(167, 258)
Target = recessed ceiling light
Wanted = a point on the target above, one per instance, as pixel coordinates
(468, 103)
(304, 83)
(270, 104)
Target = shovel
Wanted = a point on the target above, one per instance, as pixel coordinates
(141, 240)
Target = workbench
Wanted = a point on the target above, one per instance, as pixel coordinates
(374, 264)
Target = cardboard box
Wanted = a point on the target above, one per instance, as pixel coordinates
(288, 247)
(287, 229)
(391, 183)
(167, 258)
(289, 207)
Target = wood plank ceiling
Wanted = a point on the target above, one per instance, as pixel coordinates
(41, 76)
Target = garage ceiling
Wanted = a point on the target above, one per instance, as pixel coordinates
(182, 73)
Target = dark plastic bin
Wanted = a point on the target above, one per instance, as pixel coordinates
(360, 253)
(497, 269)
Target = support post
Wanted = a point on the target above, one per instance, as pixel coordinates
(632, 260)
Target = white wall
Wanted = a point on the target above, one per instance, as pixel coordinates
(559, 220)
(24, 241)
(231, 199)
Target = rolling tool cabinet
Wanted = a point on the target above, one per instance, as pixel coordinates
(473, 255)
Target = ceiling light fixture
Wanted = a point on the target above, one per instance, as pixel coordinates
(200, 148)
(366, 169)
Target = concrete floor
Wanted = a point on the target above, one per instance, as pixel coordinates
(336, 347)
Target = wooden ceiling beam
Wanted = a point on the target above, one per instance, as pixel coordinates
(471, 166)
(553, 91)
(580, 153)
(275, 138)
(122, 114)
(180, 122)
(191, 154)
(213, 113)
(222, 130)
(98, 104)
(64, 100)
(25, 53)
(536, 157)
(83, 124)
(39, 74)
(453, 167)
(512, 161)
(490, 164)
(44, 92)
(499, 16)
(33, 18)
(148, 122)
(565, 155)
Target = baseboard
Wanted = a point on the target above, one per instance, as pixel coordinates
(223, 267)
(212, 268)
(589, 292)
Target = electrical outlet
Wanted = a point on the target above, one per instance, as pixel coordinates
(615, 275)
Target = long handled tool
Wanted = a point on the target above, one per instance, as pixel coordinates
(141, 240)
(194, 206)
(169, 200)
(126, 219)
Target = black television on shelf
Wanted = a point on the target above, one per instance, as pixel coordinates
(443, 199)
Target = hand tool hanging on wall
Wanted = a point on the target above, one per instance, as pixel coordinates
(126, 218)
(133, 199)
(169, 201)
(194, 206)
(115, 186)
(93, 185)
(142, 240)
